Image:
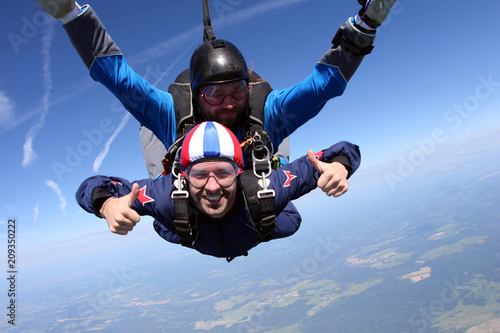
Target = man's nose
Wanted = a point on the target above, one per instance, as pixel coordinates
(212, 185)
(228, 102)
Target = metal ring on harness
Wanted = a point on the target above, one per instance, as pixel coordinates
(263, 194)
(180, 193)
(266, 160)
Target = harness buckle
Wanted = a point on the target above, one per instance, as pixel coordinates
(266, 194)
(180, 195)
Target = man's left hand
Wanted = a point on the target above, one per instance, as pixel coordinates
(333, 179)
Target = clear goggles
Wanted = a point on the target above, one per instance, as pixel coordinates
(215, 94)
(224, 173)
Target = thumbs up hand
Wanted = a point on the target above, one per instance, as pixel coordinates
(333, 179)
(117, 212)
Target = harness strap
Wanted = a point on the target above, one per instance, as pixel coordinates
(260, 204)
(181, 221)
(170, 155)
(267, 216)
(186, 230)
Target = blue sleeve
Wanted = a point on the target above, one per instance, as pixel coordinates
(152, 107)
(288, 109)
(299, 177)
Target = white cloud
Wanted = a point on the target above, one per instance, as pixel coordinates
(6, 110)
(57, 190)
(29, 153)
(102, 155)
(20, 119)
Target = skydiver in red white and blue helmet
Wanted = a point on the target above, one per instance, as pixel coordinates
(217, 216)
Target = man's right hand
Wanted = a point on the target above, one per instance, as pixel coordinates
(117, 212)
(57, 8)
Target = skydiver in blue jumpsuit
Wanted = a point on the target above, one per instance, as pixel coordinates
(224, 228)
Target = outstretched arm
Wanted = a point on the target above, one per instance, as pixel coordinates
(288, 109)
(354, 39)
(303, 175)
(122, 202)
(151, 106)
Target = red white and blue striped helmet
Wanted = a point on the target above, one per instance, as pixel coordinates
(210, 140)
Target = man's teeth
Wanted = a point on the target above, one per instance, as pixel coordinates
(213, 198)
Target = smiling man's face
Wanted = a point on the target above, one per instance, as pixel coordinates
(212, 186)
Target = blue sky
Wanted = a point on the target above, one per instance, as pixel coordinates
(433, 80)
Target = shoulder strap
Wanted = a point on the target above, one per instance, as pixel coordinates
(185, 118)
(258, 95)
(180, 90)
(184, 227)
(253, 125)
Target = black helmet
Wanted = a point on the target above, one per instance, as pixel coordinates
(216, 61)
